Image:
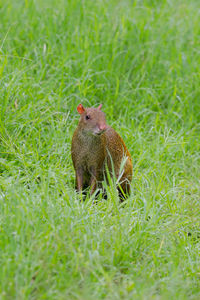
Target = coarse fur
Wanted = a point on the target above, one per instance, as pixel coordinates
(95, 145)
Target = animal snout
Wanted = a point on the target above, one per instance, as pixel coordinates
(102, 127)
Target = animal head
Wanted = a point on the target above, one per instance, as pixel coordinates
(92, 119)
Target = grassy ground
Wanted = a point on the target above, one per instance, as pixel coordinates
(141, 60)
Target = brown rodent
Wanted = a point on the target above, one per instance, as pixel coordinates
(93, 144)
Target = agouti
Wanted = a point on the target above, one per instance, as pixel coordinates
(93, 144)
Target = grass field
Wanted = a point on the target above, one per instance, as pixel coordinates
(141, 59)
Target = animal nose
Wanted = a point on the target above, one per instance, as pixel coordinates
(102, 127)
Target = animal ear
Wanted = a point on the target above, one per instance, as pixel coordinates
(100, 106)
(80, 109)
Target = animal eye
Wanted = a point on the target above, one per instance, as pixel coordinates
(87, 117)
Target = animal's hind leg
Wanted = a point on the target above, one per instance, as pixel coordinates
(124, 190)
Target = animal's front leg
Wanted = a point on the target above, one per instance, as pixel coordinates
(93, 180)
(79, 179)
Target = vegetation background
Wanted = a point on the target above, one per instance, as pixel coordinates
(141, 59)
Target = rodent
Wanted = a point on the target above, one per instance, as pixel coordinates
(93, 143)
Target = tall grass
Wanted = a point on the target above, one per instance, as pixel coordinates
(141, 60)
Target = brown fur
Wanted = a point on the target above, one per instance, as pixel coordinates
(93, 144)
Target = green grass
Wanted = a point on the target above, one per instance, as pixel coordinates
(141, 60)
